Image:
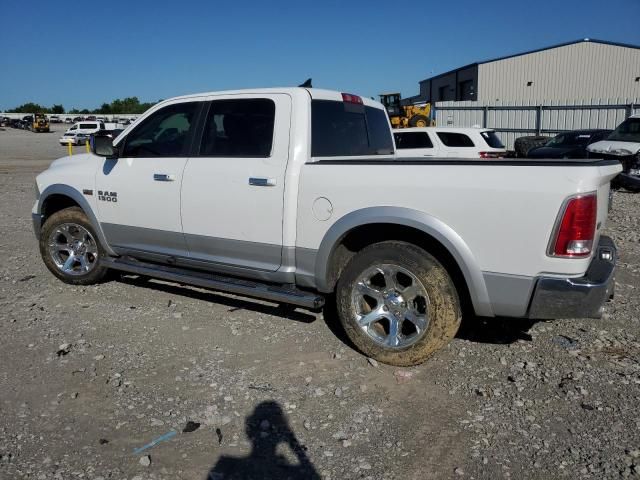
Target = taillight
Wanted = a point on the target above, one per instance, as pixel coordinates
(577, 228)
(491, 154)
(347, 97)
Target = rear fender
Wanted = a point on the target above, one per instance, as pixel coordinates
(419, 221)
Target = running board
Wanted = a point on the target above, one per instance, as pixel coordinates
(248, 288)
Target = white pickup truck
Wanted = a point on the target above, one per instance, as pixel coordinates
(294, 195)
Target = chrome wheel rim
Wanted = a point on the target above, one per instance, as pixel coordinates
(73, 249)
(391, 306)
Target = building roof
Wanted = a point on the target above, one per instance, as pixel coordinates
(582, 40)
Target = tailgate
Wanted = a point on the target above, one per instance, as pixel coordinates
(607, 173)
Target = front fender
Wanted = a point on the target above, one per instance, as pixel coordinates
(432, 226)
(76, 196)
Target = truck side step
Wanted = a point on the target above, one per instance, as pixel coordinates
(249, 288)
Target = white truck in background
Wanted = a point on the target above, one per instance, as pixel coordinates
(623, 145)
(295, 195)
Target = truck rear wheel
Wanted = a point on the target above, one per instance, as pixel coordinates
(397, 303)
(70, 249)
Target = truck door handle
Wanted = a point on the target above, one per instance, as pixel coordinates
(262, 182)
(163, 177)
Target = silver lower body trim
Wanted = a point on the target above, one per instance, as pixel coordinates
(509, 294)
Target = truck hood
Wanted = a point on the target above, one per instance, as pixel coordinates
(611, 147)
(80, 160)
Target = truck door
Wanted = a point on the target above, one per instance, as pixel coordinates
(233, 188)
(139, 193)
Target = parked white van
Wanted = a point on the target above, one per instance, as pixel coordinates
(87, 127)
(448, 142)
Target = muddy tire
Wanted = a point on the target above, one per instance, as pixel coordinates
(397, 303)
(522, 145)
(70, 248)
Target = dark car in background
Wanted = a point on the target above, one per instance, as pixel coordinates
(571, 144)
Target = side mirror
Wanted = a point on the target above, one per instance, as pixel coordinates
(103, 146)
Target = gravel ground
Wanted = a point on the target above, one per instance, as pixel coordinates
(90, 374)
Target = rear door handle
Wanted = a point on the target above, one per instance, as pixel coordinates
(163, 177)
(262, 182)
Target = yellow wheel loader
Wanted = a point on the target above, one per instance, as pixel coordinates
(40, 123)
(403, 116)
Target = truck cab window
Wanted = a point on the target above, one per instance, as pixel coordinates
(165, 133)
(346, 129)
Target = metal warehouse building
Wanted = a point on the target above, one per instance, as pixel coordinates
(579, 70)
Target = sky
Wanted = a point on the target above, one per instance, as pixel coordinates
(85, 53)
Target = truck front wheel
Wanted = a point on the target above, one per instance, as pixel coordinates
(397, 303)
(70, 249)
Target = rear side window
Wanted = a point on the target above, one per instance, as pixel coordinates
(412, 140)
(348, 129)
(88, 126)
(239, 128)
(451, 139)
(492, 139)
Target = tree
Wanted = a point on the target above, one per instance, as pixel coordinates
(105, 108)
(128, 105)
(30, 107)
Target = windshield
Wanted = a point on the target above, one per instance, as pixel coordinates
(569, 139)
(627, 131)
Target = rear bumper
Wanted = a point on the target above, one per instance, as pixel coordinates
(582, 297)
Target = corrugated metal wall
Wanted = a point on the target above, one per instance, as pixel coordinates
(576, 71)
(512, 120)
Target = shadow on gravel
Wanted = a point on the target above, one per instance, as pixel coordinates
(267, 428)
(499, 330)
(235, 304)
